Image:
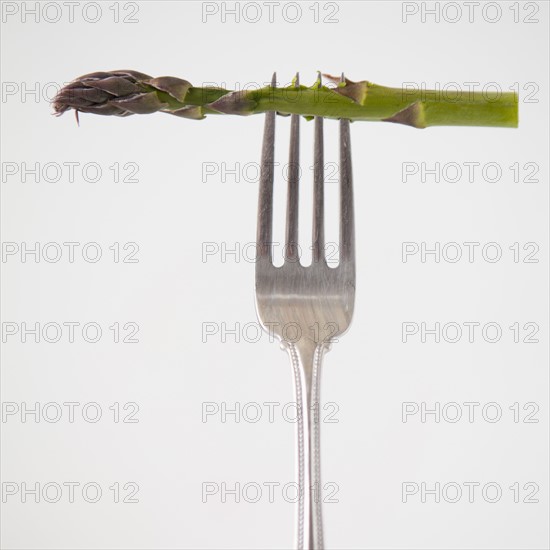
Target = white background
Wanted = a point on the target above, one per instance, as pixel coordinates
(173, 209)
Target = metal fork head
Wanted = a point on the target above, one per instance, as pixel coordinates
(305, 305)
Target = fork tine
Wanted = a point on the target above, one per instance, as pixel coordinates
(347, 223)
(291, 244)
(318, 190)
(265, 205)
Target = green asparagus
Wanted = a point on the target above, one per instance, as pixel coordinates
(124, 93)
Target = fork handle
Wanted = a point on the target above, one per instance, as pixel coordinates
(306, 362)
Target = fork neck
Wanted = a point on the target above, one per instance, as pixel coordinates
(306, 356)
(304, 352)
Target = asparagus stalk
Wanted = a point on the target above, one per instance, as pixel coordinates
(124, 93)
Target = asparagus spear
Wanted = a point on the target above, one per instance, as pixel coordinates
(124, 93)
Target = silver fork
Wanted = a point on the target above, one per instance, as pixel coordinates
(305, 307)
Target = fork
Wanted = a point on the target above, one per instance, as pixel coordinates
(305, 307)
